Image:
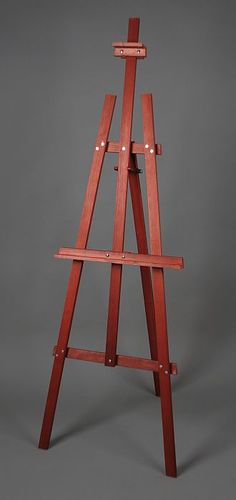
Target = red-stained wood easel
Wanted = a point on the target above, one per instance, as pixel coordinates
(151, 264)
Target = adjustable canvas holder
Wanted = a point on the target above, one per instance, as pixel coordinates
(151, 263)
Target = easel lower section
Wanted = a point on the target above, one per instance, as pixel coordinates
(121, 360)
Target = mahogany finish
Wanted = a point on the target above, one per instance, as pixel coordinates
(114, 147)
(126, 361)
(108, 256)
(121, 195)
(158, 284)
(74, 280)
(142, 245)
(151, 262)
(131, 52)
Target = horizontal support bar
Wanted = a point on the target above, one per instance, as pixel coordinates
(131, 169)
(121, 360)
(140, 52)
(136, 148)
(129, 258)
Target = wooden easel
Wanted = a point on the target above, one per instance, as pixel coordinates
(151, 264)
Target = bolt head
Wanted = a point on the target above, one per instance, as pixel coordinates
(166, 372)
(146, 146)
(151, 150)
(121, 51)
(102, 143)
(123, 148)
(97, 148)
(160, 366)
(138, 51)
(107, 254)
(109, 360)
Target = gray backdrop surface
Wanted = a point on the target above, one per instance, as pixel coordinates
(56, 66)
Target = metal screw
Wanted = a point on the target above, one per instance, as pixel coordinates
(123, 148)
(97, 148)
(138, 51)
(107, 254)
(166, 372)
(160, 366)
(109, 360)
(146, 146)
(123, 256)
(121, 51)
(151, 150)
(62, 350)
(102, 143)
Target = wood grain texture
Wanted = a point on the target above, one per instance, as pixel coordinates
(151, 263)
(136, 148)
(75, 275)
(123, 52)
(121, 196)
(122, 360)
(146, 279)
(158, 285)
(124, 258)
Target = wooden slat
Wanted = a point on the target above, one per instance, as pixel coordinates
(76, 270)
(121, 360)
(128, 258)
(121, 196)
(136, 148)
(140, 53)
(158, 284)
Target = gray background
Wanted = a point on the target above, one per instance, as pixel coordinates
(56, 66)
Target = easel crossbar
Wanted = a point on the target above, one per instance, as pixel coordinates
(128, 258)
(139, 53)
(136, 148)
(121, 360)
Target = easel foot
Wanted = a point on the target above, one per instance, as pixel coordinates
(171, 472)
(43, 446)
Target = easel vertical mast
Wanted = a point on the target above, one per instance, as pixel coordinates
(121, 195)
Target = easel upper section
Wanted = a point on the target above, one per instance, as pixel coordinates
(131, 48)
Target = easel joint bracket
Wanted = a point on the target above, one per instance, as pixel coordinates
(129, 49)
(60, 352)
(136, 148)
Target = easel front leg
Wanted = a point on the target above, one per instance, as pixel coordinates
(140, 230)
(74, 280)
(158, 286)
(164, 373)
(60, 356)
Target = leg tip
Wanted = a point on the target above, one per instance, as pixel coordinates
(43, 446)
(171, 473)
